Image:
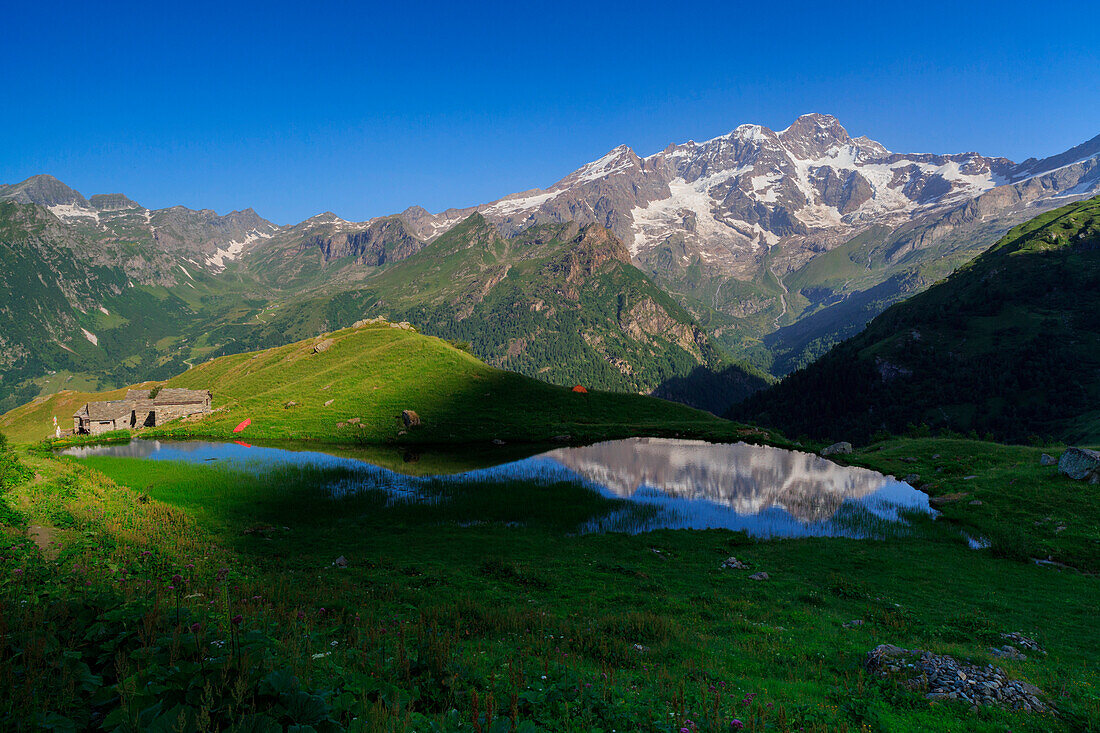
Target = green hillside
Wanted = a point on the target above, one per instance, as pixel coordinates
(368, 375)
(1009, 345)
(562, 303)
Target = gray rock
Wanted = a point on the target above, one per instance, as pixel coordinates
(732, 563)
(329, 403)
(837, 449)
(1080, 464)
(759, 576)
(340, 562)
(1007, 652)
(290, 404)
(498, 441)
(1047, 460)
(912, 479)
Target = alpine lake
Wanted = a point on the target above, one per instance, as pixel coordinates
(648, 483)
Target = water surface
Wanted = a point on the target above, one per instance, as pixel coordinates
(663, 483)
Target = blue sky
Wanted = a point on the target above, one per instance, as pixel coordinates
(363, 109)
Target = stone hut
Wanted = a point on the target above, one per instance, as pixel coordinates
(140, 409)
(103, 417)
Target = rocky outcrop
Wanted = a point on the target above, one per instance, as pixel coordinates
(1080, 464)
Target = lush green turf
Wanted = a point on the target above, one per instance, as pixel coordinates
(1009, 345)
(375, 372)
(442, 623)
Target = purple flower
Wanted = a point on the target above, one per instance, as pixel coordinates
(237, 619)
(195, 627)
(736, 724)
(177, 579)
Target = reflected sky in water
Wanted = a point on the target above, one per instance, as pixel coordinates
(667, 484)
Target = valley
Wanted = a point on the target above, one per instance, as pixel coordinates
(782, 430)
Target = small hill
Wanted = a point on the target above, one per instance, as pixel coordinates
(351, 386)
(1009, 345)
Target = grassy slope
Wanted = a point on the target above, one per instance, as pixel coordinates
(1009, 345)
(539, 624)
(373, 373)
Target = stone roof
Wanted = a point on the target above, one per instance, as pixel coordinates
(178, 396)
(112, 410)
(138, 394)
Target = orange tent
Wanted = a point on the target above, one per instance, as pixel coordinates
(580, 390)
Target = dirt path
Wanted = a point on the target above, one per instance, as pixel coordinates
(46, 540)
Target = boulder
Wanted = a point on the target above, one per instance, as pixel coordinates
(1081, 464)
(1047, 460)
(290, 404)
(732, 563)
(329, 403)
(341, 562)
(410, 418)
(912, 479)
(838, 449)
(322, 346)
(759, 576)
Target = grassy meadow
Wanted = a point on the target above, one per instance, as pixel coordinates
(158, 596)
(353, 390)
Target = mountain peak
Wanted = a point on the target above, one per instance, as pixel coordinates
(44, 190)
(813, 134)
(113, 202)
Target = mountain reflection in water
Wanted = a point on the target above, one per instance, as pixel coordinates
(668, 484)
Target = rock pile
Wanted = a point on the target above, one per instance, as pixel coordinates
(944, 678)
(732, 563)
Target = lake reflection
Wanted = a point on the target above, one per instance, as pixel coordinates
(667, 484)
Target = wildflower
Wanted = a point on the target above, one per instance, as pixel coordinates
(177, 579)
(195, 627)
(237, 619)
(736, 724)
(18, 571)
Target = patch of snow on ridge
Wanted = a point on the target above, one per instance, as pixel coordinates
(90, 336)
(614, 162)
(522, 203)
(657, 219)
(234, 249)
(72, 211)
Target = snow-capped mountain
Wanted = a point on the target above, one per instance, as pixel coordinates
(201, 238)
(732, 198)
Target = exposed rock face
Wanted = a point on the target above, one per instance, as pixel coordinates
(837, 449)
(382, 241)
(1081, 464)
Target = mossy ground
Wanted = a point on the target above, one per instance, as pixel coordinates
(440, 622)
